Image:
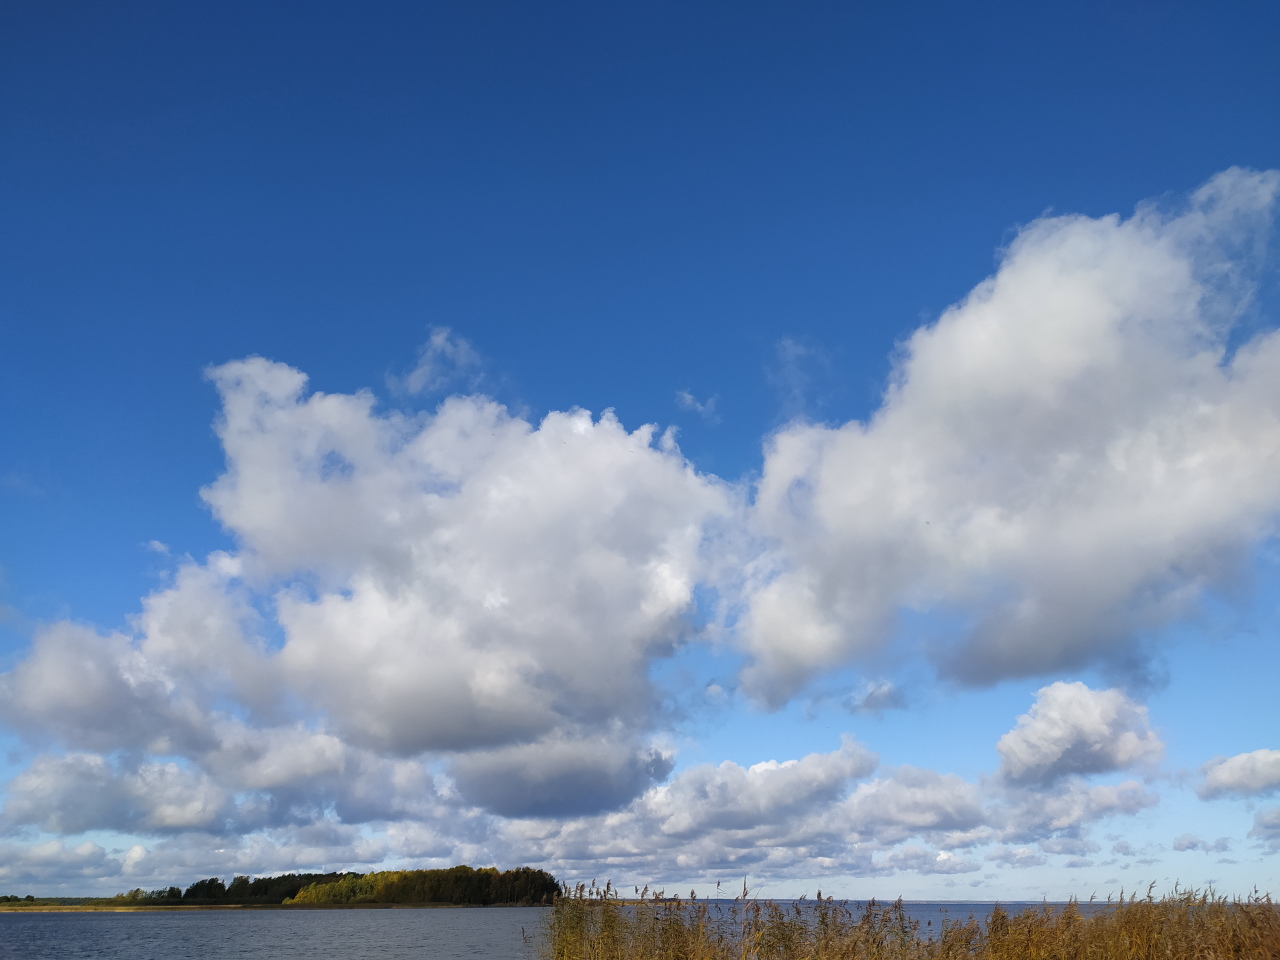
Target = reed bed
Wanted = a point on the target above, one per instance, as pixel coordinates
(590, 923)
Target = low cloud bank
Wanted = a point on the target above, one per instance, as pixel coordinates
(287, 798)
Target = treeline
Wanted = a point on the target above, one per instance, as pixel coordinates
(243, 891)
(27, 899)
(456, 885)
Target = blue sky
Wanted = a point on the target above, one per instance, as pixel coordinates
(332, 532)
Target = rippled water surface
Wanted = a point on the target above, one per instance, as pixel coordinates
(493, 933)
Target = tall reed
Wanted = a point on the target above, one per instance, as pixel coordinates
(592, 923)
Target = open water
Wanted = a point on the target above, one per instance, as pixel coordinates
(490, 933)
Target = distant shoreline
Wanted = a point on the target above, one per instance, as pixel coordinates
(458, 886)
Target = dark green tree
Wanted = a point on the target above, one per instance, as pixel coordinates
(211, 889)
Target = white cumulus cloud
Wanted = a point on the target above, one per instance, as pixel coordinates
(1071, 729)
(1246, 774)
(78, 792)
(478, 583)
(1072, 454)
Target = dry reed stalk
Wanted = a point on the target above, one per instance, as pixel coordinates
(591, 923)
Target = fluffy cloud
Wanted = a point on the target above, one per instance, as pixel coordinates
(915, 802)
(1041, 794)
(95, 692)
(78, 792)
(202, 634)
(1059, 815)
(1075, 452)
(1246, 774)
(729, 797)
(1071, 729)
(477, 582)
(488, 591)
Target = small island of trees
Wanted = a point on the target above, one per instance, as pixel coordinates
(456, 886)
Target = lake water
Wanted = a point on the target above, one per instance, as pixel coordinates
(491, 933)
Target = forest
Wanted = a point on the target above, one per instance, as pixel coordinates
(456, 885)
(460, 885)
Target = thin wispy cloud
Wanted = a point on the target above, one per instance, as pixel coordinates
(706, 409)
(796, 369)
(447, 363)
(875, 697)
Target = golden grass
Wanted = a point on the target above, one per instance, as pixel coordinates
(595, 924)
